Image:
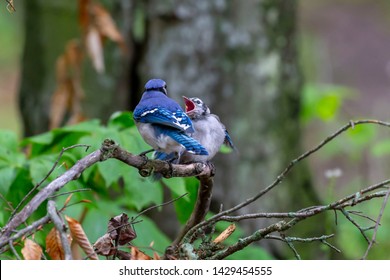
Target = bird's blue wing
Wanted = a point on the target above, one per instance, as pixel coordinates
(159, 115)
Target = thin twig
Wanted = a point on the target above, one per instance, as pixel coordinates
(134, 220)
(7, 202)
(10, 6)
(45, 178)
(282, 175)
(69, 192)
(331, 246)
(11, 246)
(27, 230)
(360, 214)
(200, 210)
(156, 206)
(362, 231)
(372, 241)
(61, 228)
(71, 174)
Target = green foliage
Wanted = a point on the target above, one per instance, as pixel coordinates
(116, 187)
(322, 101)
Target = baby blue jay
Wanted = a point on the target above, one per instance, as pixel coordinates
(209, 132)
(163, 124)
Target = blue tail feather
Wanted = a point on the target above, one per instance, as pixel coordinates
(190, 144)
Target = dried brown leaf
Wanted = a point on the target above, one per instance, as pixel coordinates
(103, 246)
(60, 104)
(106, 25)
(136, 254)
(84, 19)
(94, 46)
(67, 200)
(54, 246)
(31, 250)
(122, 255)
(119, 226)
(68, 95)
(80, 237)
(156, 256)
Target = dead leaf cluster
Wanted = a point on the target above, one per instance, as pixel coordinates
(97, 25)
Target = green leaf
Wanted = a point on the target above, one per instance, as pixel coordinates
(8, 140)
(185, 205)
(110, 171)
(322, 101)
(177, 186)
(328, 106)
(121, 120)
(139, 192)
(148, 233)
(9, 152)
(40, 166)
(87, 126)
(131, 140)
(7, 176)
(43, 139)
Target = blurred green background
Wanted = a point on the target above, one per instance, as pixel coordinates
(343, 49)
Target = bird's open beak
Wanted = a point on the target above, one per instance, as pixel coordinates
(189, 104)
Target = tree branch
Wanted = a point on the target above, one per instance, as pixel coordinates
(201, 208)
(371, 243)
(108, 150)
(205, 173)
(282, 175)
(61, 228)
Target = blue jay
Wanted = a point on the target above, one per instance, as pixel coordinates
(163, 124)
(209, 132)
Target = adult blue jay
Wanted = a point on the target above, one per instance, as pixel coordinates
(163, 124)
(209, 132)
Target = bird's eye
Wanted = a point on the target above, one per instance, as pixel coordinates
(197, 102)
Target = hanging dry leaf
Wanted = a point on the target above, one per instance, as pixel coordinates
(136, 254)
(94, 46)
(80, 237)
(84, 18)
(103, 246)
(122, 255)
(106, 25)
(120, 229)
(66, 100)
(31, 250)
(54, 246)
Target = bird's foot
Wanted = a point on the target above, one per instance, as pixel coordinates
(143, 154)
